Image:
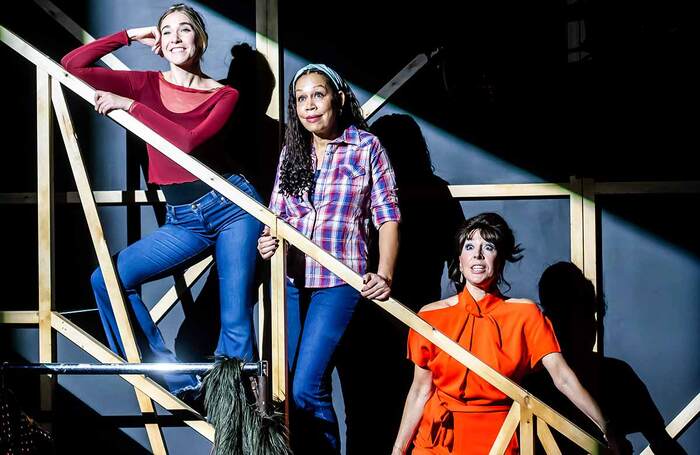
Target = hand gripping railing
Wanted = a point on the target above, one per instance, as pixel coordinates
(526, 408)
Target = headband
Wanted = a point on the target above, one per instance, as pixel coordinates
(334, 77)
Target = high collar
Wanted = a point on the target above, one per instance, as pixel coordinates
(481, 307)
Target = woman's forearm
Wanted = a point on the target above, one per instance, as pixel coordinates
(412, 413)
(419, 393)
(388, 249)
(583, 400)
(567, 383)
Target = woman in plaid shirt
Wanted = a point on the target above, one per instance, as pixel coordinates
(333, 177)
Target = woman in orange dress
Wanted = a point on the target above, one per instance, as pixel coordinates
(451, 410)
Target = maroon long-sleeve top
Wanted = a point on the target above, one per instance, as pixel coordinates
(191, 119)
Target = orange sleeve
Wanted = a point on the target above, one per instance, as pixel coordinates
(540, 336)
(419, 349)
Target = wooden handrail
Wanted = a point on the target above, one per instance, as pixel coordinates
(260, 212)
(681, 422)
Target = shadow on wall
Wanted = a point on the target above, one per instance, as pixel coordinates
(373, 369)
(569, 300)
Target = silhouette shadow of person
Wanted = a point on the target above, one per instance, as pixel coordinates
(569, 300)
(429, 219)
(253, 142)
(254, 136)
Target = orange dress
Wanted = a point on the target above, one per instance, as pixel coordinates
(465, 413)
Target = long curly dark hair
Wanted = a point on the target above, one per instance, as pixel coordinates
(492, 228)
(296, 171)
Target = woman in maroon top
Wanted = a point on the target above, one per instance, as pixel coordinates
(189, 109)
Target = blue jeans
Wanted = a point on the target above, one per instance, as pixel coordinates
(191, 231)
(316, 321)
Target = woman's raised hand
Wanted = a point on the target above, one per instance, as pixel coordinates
(106, 102)
(148, 36)
(267, 244)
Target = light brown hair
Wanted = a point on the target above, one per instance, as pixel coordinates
(200, 30)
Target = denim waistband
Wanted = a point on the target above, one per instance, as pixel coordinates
(213, 196)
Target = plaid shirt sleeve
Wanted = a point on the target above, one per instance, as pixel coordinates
(384, 202)
(278, 204)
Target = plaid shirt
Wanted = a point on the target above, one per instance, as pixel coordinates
(355, 180)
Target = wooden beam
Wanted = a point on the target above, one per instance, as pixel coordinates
(565, 427)
(120, 197)
(680, 187)
(685, 417)
(18, 198)
(19, 317)
(546, 438)
(590, 231)
(576, 222)
(377, 101)
(527, 425)
(45, 247)
(109, 197)
(267, 43)
(523, 190)
(145, 385)
(170, 298)
(590, 247)
(104, 257)
(681, 422)
(278, 318)
(261, 320)
(78, 32)
(510, 190)
(505, 434)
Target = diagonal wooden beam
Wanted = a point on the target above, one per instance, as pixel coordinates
(546, 438)
(170, 298)
(77, 31)
(505, 434)
(681, 422)
(684, 418)
(104, 257)
(147, 386)
(375, 103)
